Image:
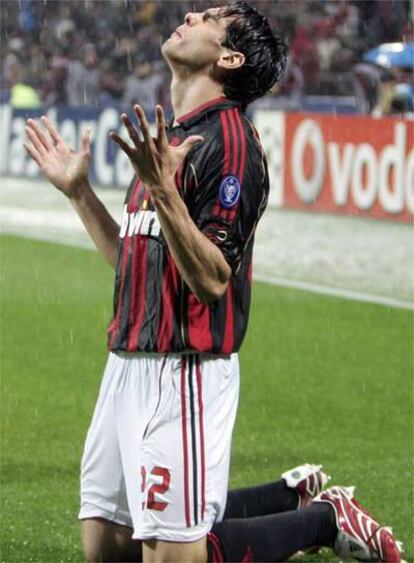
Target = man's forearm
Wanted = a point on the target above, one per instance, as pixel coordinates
(199, 261)
(102, 228)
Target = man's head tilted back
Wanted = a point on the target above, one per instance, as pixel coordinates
(234, 45)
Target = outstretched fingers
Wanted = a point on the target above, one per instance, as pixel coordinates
(86, 140)
(162, 140)
(132, 132)
(56, 138)
(143, 123)
(43, 139)
(33, 136)
(121, 143)
(188, 144)
(32, 152)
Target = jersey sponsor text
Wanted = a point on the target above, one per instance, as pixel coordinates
(141, 222)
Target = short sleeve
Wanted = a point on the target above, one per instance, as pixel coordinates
(231, 189)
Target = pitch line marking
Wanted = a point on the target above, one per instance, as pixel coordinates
(266, 278)
(335, 292)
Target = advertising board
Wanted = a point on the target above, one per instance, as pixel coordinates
(340, 164)
(352, 165)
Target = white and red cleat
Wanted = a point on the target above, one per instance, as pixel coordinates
(360, 536)
(307, 480)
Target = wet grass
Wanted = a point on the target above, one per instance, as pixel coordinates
(323, 380)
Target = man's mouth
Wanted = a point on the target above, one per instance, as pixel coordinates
(176, 33)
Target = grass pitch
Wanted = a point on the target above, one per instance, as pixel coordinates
(324, 380)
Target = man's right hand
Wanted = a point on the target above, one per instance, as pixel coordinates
(64, 168)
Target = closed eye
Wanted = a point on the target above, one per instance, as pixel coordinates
(209, 16)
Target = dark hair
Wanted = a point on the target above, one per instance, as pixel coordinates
(265, 51)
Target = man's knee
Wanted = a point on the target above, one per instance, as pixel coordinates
(104, 541)
(169, 552)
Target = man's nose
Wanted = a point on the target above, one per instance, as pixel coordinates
(190, 18)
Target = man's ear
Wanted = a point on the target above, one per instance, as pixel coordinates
(230, 60)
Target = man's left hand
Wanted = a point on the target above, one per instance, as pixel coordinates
(153, 159)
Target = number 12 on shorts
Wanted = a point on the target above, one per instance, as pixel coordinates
(163, 484)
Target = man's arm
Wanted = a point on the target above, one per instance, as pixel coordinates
(68, 172)
(199, 261)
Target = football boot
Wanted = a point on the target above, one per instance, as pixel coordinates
(359, 536)
(307, 480)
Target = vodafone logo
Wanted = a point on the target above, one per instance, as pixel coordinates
(308, 145)
(361, 174)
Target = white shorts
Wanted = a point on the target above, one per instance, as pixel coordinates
(157, 452)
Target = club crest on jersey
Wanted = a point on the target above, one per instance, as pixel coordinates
(229, 191)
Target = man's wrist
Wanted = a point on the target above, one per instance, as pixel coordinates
(166, 194)
(79, 191)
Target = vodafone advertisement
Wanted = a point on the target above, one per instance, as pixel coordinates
(340, 164)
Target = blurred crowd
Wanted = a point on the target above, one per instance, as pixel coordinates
(101, 52)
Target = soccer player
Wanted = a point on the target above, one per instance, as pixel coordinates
(155, 467)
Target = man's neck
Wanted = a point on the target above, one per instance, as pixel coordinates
(188, 93)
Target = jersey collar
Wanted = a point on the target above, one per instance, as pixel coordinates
(217, 104)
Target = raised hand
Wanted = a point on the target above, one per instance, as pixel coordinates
(64, 168)
(153, 159)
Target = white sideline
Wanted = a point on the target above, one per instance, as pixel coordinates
(342, 257)
(336, 292)
(272, 280)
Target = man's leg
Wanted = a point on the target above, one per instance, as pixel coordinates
(294, 490)
(334, 519)
(105, 541)
(166, 552)
(274, 537)
(106, 522)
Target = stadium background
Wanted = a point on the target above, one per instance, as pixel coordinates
(327, 364)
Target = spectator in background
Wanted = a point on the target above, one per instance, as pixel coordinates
(143, 87)
(83, 79)
(368, 77)
(402, 102)
(112, 83)
(22, 93)
(327, 38)
(54, 84)
(287, 94)
(386, 94)
(305, 55)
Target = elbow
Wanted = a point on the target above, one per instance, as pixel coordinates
(209, 294)
(214, 295)
(210, 289)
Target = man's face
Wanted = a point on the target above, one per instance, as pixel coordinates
(197, 43)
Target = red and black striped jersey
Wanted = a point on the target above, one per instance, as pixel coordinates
(224, 183)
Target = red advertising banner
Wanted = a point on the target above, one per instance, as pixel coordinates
(350, 164)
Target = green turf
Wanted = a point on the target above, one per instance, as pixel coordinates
(323, 380)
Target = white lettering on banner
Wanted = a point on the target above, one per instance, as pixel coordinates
(364, 195)
(409, 180)
(20, 162)
(392, 157)
(68, 132)
(355, 170)
(271, 128)
(340, 173)
(108, 121)
(123, 169)
(17, 154)
(308, 133)
(32, 169)
(15, 161)
(5, 126)
(91, 124)
(140, 223)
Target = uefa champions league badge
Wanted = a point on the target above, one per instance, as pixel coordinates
(229, 191)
